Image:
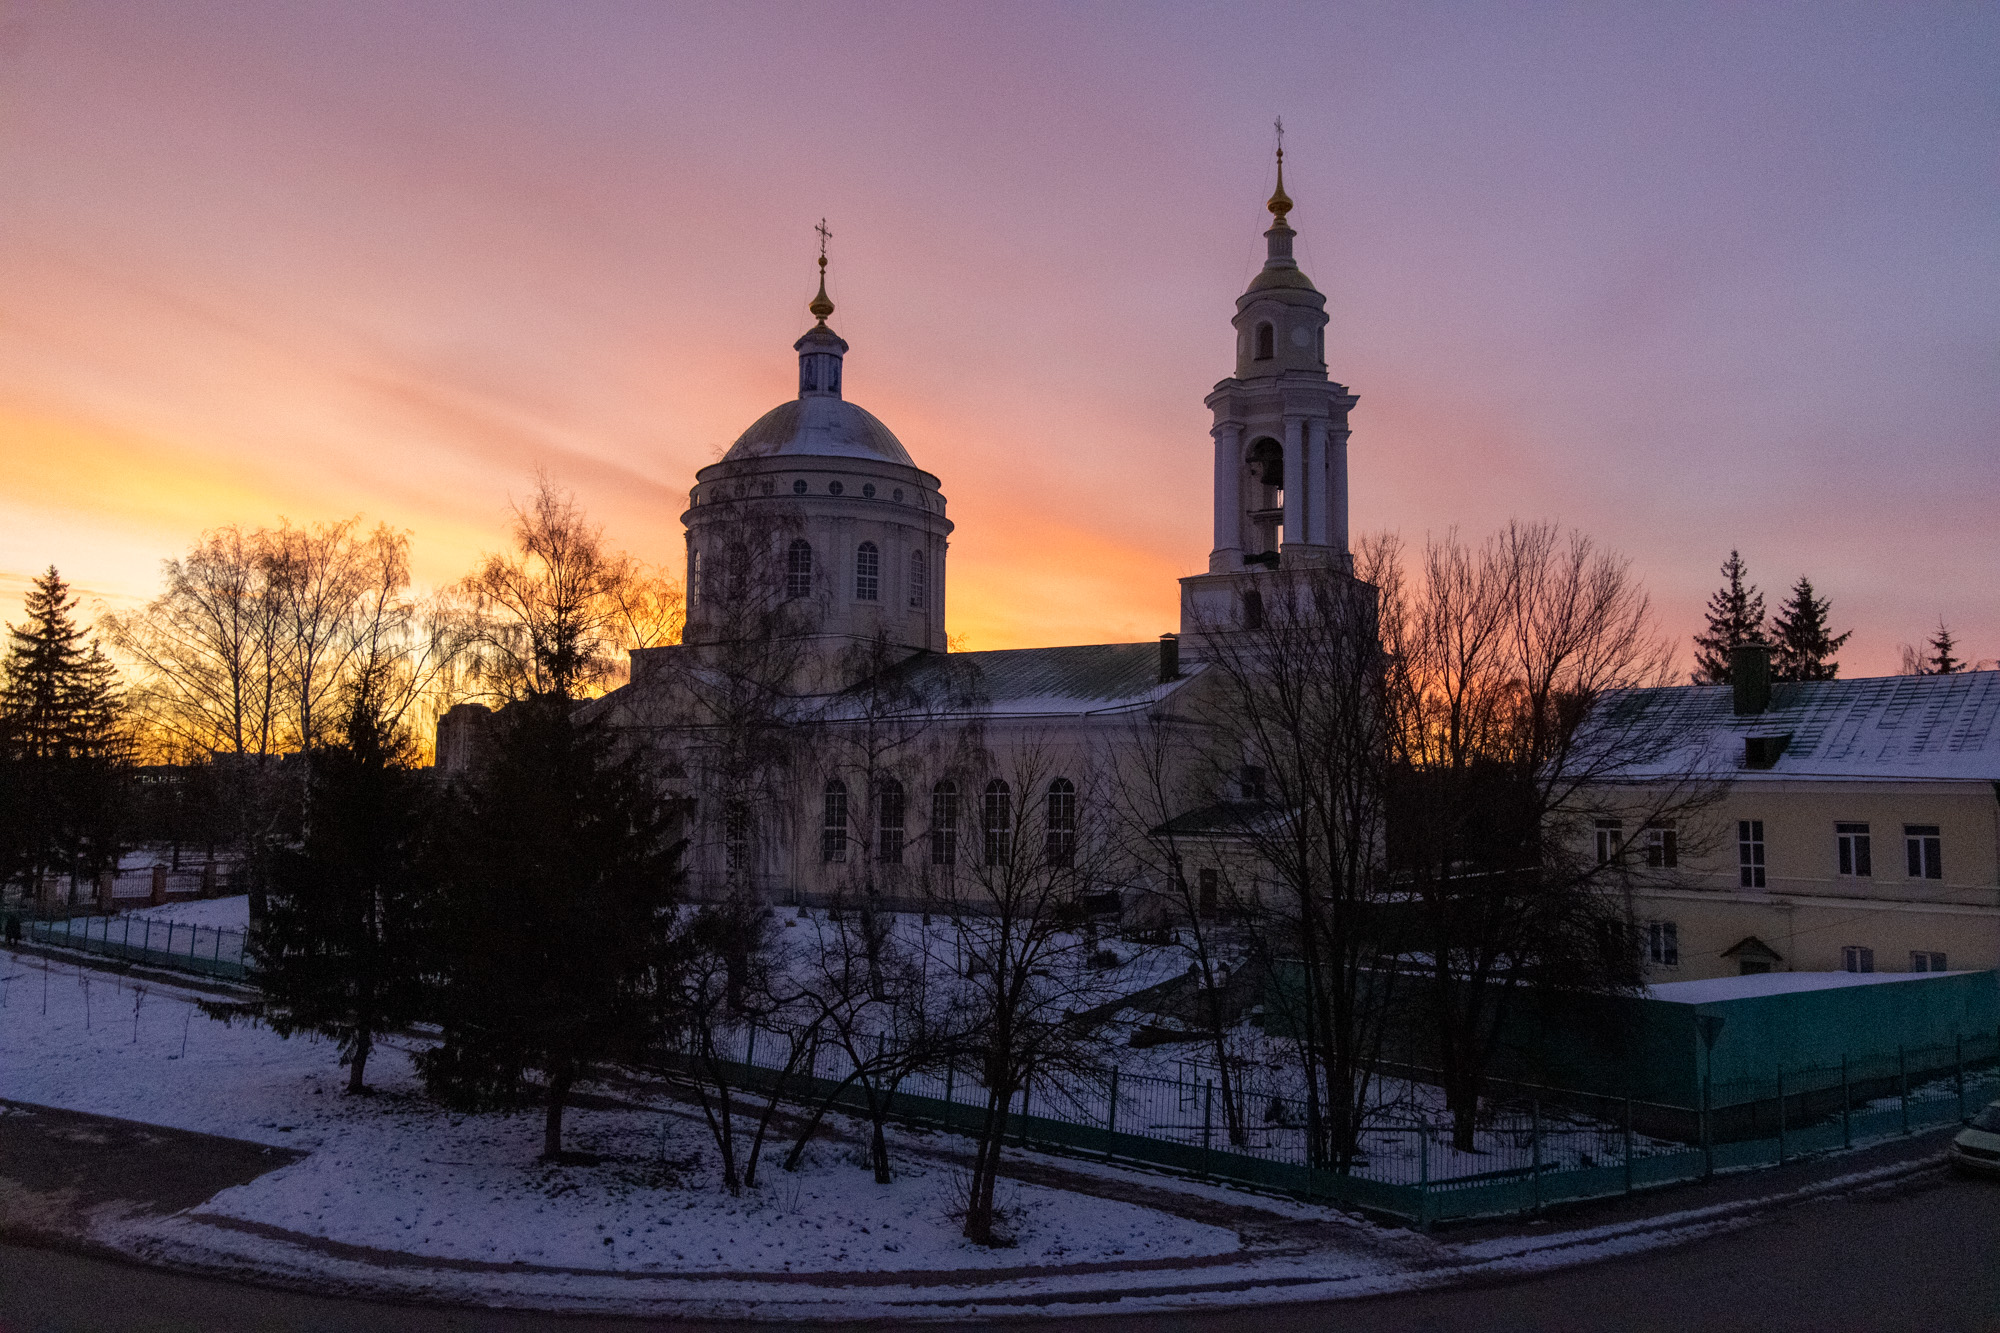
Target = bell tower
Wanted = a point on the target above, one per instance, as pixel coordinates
(1280, 437)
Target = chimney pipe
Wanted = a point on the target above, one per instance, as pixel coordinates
(1750, 677)
(1170, 657)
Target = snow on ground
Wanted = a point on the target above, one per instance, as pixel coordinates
(395, 1172)
(218, 913)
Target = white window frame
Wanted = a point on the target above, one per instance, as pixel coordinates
(1857, 958)
(1854, 850)
(1750, 854)
(1923, 851)
(1663, 943)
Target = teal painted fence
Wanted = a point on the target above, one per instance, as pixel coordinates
(1530, 1158)
(179, 946)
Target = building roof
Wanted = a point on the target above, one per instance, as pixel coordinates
(1050, 682)
(818, 426)
(1941, 728)
(1759, 984)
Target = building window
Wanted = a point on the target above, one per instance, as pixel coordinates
(889, 822)
(1925, 961)
(1210, 900)
(1926, 851)
(1856, 854)
(834, 488)
(799, 568)
(736, 836)
(694, 578)
(1663, 849)
(833, 822)
(799, 487)
(867, 573)
(1610, 841)
(868, 490)
(998, 823)
(1250, 782)
(1253, 609)
(919, 580)
(1267, 338)
(1857, 958)
(944, 824)
(1750, 853)
(1059, 838)
(1663, 943)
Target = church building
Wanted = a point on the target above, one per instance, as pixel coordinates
(817, 576)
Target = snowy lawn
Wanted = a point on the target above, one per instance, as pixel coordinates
(397, 1173)
(231, 913)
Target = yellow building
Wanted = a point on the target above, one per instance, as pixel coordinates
(1856, 827)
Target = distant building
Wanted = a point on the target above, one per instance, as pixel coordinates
(1859, 829)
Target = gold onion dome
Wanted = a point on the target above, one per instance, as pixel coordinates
(821, 307)
(1280, 203)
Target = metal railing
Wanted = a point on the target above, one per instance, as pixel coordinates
(180, 946)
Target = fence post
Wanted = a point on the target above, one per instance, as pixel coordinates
(1024, 1113)
(1781, 1115)
(1208, 1128)
(1535, 1136)
(1707, 1133)
(1111, 1115)
(1628, 1145)
(1958, 1067)
(1903, 1086)
(950, 1068)
(1423, 1174)
(1846, 1107)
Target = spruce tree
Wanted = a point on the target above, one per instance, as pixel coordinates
(1805, 647)
(61, 731)
(558, 911)
(1942, 662)
(1735, 617)
(342, 947)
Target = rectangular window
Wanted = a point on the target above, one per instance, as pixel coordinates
(833, 824)
(1857, 958)
(1663, 943)
(1610, 843)
(889, 822)
(1926, 961)
(867, 573)
(919, 581)
(1211, 892)
(1663, 846)
(736, 837)
(1926, 851)
(1750, 853)
(1856, 858)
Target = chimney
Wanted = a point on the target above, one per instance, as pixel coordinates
(1750, 677)
(1170, 657)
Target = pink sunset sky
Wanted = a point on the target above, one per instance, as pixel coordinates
(1685, 276)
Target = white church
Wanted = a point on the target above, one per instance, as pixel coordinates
(817, 577)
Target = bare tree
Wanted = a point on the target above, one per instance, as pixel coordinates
(1299, 700)
(1498, 657)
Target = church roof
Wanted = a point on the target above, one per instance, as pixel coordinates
(1943, 728)
(818, 426)
(1075, 681)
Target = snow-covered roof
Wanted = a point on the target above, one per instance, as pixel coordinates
(1922, 727)
(819, 426)
(1074, 681)
(1776, 983)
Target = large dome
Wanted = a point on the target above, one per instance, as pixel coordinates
(818, 426)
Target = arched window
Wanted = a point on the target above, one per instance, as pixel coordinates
(1253, 609)
(919, 580)
(799, 569)
(889, 821)
(998, 823)
(1267, 338)
(944, 823)
(867, 573)
(1059, 837)
(694, 577)
(833, 822)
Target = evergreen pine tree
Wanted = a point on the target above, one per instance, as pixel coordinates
(559, 892)
(61, 730)
(341, 946)
(1735, 617)
(1805, 649)
(1941, 661)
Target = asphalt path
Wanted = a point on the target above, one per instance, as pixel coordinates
(1924, 1254)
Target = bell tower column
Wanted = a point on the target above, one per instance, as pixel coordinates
(1227, 553)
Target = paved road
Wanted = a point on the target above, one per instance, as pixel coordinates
(1925, 1255)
